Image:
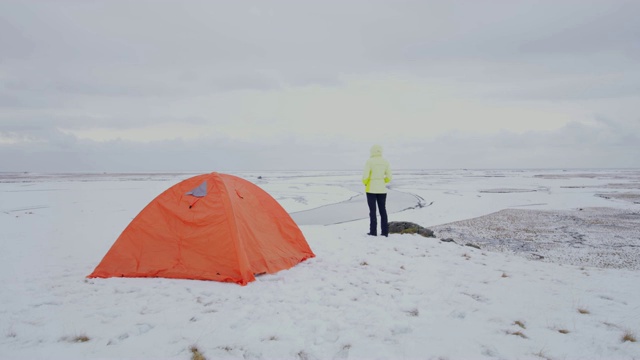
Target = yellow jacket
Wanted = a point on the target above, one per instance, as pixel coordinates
(376, 172)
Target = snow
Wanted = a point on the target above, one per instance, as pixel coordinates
(361, 297)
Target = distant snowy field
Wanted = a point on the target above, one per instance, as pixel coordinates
(550, 281)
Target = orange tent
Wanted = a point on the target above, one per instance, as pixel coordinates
(209, 227)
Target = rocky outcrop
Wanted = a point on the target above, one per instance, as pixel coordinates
(405, 227)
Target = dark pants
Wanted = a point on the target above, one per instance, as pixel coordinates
(381, 199)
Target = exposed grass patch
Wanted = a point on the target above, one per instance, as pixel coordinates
(196, 354)
(628, 336)
(504, 275)
(519, 323)
(518, 333)
(81, 338)
(584, 311)
(76, 338)
(563, 331)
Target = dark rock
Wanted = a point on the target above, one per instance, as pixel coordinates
(472, 245)
(404, 227)
(447, 240)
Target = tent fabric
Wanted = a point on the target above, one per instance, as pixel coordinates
(231, 234)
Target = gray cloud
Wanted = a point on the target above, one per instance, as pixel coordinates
(210, 154)
(159, 48)
(605, 144)
(76, 65)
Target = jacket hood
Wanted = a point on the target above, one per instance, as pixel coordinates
(376, 150)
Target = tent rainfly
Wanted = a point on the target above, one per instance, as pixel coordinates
(209, 227)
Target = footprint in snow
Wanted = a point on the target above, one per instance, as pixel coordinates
(144, 328)
(477, 297)
(343, 353)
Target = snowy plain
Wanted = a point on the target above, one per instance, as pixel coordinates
(361, 297)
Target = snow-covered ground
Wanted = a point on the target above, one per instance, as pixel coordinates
(361, 297)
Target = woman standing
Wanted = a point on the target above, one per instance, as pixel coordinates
(376, 175)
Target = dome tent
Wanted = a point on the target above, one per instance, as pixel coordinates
(209, 227)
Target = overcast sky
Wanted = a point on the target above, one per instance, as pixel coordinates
(295, 85)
